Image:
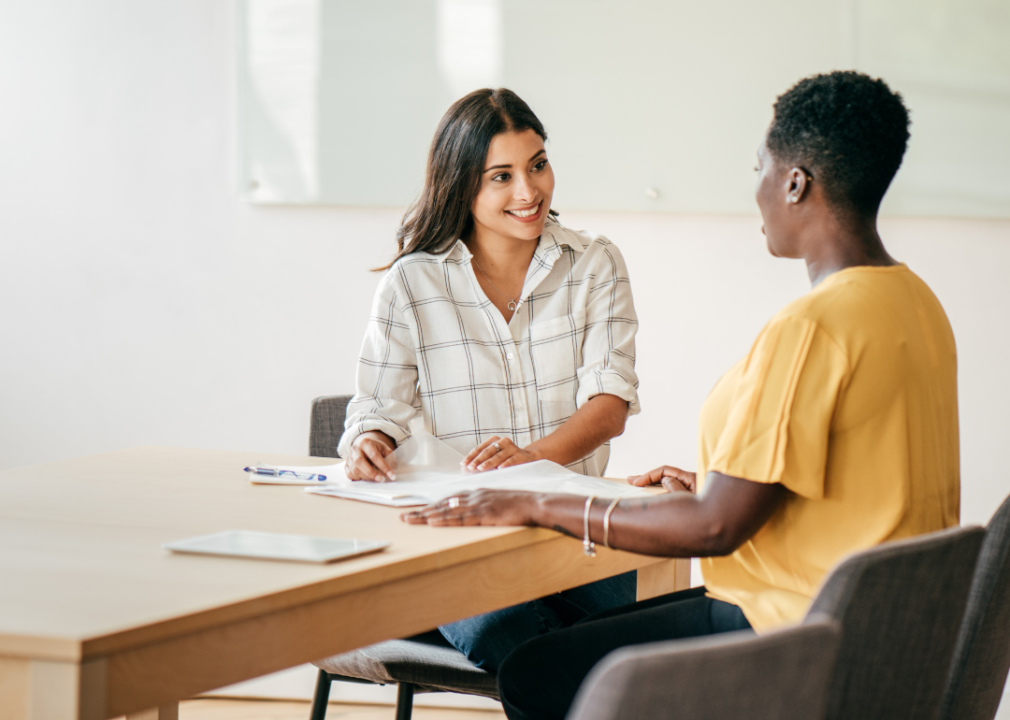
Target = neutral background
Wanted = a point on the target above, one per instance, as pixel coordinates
(142, 302)
(670, 95)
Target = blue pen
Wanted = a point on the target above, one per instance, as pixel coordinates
(273, 472)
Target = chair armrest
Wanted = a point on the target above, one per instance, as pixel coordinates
(781, 675)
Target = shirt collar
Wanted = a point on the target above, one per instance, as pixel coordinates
(457, 250)
(556, 234)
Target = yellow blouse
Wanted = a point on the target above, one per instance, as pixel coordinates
(848, 398)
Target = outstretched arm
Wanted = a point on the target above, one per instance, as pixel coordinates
(679, 524)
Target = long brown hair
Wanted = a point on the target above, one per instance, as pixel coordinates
(441, 215)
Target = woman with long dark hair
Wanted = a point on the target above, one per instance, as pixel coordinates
(511, 336)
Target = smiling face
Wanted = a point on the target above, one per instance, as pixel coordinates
(515, 188)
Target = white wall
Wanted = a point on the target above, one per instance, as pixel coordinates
(673, 71)
(142, 303)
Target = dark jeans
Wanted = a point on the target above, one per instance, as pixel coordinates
(489, 638)
(539, 680)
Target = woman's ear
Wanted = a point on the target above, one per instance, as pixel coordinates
(797, 183)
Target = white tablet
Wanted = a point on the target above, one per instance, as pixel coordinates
(275, 546)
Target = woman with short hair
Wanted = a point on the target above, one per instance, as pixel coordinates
(838, 431)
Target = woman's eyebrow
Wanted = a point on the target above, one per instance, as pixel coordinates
(499, 167)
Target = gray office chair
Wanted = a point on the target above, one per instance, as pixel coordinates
(982, 655)
(900, 606)
(424, 663)
(782, 675)
(327, 424)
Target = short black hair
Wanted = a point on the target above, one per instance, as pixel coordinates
(848, 130)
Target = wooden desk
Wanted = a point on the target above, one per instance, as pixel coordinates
(97, 621)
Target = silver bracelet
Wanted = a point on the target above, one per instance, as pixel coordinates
(588, 546)
(606, 521)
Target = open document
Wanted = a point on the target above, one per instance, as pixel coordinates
(428, 470)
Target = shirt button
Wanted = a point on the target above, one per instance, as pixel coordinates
(519, 408)
(510, 356)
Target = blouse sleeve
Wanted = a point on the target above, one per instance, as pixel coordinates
(385, 395)
(608, 348)
(779, 422)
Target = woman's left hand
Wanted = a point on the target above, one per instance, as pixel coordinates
(496, 453)
(481, 507)
(672, 478)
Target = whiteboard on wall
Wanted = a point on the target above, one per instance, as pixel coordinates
(650, 105)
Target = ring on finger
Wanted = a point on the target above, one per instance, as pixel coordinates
(453, 502)
(496, 446)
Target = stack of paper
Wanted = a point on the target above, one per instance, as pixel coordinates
(428, 470)
(421, 488)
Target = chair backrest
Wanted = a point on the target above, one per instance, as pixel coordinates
(900, 606)
(781, 675)
(327, 424)
(982, 655)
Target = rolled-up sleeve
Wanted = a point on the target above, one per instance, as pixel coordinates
(385, 396)
(608, 349)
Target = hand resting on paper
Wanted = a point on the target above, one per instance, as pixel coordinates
(496, 453)
(600, 419)
(480, 507)
(672, 478)
(367, 460)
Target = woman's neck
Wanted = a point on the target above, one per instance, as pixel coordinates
(836, 244)
(502, 264)
(499, 256)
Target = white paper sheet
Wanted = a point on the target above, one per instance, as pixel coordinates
(428, 470)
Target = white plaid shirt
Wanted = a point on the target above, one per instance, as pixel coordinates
(435, 345)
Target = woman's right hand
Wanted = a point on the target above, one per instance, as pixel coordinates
(480, 507)
(368, 457)
(672, 478)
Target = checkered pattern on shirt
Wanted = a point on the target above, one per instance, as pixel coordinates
(436, 345)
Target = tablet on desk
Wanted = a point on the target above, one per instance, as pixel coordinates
(276, 546)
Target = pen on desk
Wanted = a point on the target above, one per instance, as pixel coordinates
(273, 472)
